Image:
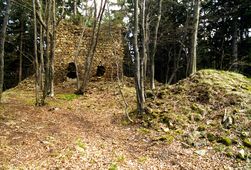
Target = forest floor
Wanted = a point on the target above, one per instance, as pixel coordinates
(91, 132)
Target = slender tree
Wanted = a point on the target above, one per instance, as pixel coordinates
(140, 102)
(143, 57)
(47, 84)
(94, 40)
(152, 58)
(194, 36)
(235, 43)
(78, 52)
(2, 42)
(75, 7)
(46, 60)
(38, 101)
(53, 47)
(21, 48)
(39, 12)
(41, 58)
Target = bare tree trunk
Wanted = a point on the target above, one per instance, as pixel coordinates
(147, 70)
(75, 7)
(2, 42)
(176, 66)
(47, 55)
(140, 103)
(235, 44)
(143, 58)
(76, 56)
(109, 15)
(41, 40)
(41, 66)
(62, 15)
(222, 53)
(168, 62)
(94, 40)
(21, 49)
(63, 10)
(194, 36)
(78, 51)
(53, 46)
(38, 102)
(152, 59)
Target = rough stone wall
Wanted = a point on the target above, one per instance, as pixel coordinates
(110, 50)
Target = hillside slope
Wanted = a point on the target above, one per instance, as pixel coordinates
(208, 108)
(90, 132)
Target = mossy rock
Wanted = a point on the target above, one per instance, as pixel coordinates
(198, 117)
(241, 154)
(235, 140)
(226, 141)
(195, 117)
(168, 122)
(219, 148)
(230, 154)
(197, 107)
(247, 142)
(149, 110)
(159, 102)
(167, 138)
(192, 138)
(202, 128)
(245, 134)
(190, 141)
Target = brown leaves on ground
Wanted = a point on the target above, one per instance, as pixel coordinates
(88, 132)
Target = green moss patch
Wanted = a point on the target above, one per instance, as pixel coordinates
(213, 104)
(247, 142)
(68, 97)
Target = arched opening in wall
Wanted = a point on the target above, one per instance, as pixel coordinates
(100, 70)
(71, 70)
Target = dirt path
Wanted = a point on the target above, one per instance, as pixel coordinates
(88, 132)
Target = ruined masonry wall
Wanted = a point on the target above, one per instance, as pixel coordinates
(110, 50)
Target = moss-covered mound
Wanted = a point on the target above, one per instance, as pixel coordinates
(209, 107)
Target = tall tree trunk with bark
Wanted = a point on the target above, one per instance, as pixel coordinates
(94, 41)
(47, 54)
(147, 39)
(38, 101)
(75, 7)
(152, 59)
(78, 52)
(143, 57)
(41, 66)
(21, 48)
(53, 47)
(194, 36)
(140, 103)
(2, 42)
(41, 71)
(48, 24)
(235, 44)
